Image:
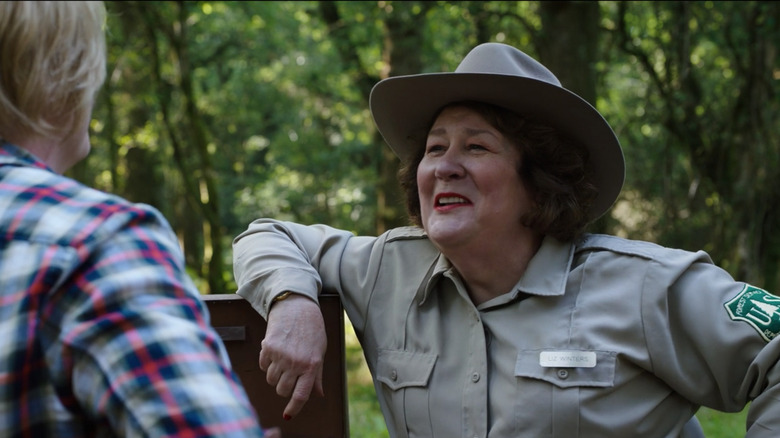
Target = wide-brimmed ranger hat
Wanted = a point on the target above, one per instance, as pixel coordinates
(404, 107)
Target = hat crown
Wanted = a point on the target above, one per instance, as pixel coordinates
(502, 59)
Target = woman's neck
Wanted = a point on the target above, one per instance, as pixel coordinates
(492, 270)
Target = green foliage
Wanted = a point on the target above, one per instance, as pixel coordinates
(280, 94)
(722, 425)
(365, 418)
(689, 103)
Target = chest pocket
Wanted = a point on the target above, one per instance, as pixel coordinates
(405, 376)
(566, 382)
(400, 369)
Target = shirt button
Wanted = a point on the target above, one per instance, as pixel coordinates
(563, 374)
(475, 377)
(393, 375)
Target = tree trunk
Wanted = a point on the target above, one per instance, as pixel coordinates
(209, 195)
(568, 45)
(403, 50)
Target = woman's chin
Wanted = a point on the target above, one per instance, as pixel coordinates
(449, 236)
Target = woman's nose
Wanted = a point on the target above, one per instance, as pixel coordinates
(449, 166)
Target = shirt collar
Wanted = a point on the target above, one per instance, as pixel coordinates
(545, 275)
(548, 270)
(14, 155)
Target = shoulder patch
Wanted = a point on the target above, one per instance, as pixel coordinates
(758, 308)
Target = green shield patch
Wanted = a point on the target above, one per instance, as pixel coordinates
(758, 308)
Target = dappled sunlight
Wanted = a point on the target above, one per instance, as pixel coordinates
(636, 216)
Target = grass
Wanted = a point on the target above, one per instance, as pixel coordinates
(722, 425)
(365, 418)
(366, 421)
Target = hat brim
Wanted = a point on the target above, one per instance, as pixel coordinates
(403, 108)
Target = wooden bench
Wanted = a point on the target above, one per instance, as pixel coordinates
(242, 328)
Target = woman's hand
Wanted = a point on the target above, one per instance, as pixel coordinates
(293, 350)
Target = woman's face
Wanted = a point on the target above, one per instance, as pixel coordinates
(470, 190)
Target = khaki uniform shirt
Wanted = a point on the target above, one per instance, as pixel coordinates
(603, 338)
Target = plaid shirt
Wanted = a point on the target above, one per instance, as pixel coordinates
(103, 334)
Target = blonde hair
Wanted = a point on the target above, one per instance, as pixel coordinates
(52, 63)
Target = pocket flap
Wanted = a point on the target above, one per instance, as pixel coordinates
(399, 369)
(602, 374)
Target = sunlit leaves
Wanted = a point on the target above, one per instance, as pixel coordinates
(289, 132)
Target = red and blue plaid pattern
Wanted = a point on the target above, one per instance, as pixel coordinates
(103, 333)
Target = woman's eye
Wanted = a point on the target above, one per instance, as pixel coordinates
(479, 147)
(434, 148)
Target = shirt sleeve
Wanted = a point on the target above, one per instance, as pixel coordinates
(272, 257)
(135, 348)
(712, 338)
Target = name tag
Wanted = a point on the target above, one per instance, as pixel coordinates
(567, 359)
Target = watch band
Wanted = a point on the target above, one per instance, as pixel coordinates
(282, 296)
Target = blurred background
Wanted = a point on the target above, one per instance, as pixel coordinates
(218, 113)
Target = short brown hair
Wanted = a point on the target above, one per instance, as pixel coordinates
(554, 170)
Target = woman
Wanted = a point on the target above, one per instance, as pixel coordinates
(495, 315)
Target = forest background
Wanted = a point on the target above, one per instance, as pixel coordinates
(218, 113)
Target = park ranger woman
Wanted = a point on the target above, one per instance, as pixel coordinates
(495, 314)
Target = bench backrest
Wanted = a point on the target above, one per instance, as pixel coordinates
(242, 329)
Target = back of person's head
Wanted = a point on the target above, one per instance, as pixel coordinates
(52, 63)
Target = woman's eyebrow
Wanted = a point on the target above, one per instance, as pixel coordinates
(469, 131)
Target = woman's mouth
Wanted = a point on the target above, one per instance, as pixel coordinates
(450, 200)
